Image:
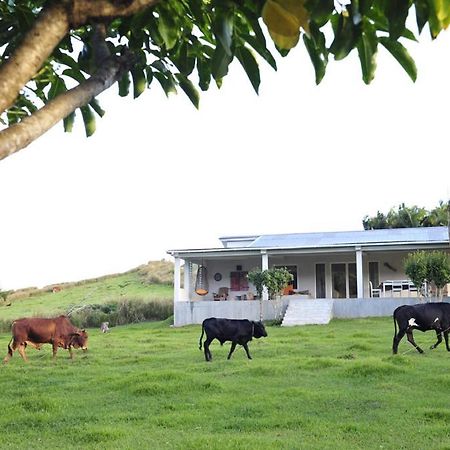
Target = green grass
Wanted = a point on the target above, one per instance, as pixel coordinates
(313, 387)
(104, 290)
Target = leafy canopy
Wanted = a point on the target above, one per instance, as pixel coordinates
(187, 45)
(409, 217)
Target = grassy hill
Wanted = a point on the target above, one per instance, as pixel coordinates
(147, 284)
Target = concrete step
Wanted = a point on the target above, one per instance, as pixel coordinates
(308, 312)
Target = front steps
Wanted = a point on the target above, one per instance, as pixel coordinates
(308, 312)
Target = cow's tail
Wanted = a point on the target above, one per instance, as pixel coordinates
(394, 316)
(201, 337)
(395, 322)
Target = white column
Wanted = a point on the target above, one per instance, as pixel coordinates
(176, 280)
(187, 279)
(359, 273)
(265, 266)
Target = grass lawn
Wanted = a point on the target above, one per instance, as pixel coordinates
(147, 386)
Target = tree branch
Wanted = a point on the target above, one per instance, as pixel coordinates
(83, 11)
(18, 136)
(37, 45)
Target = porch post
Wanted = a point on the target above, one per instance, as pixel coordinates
(359, 273)
(187, 279)
(176, 279)
(265, 266)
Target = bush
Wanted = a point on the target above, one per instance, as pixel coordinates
(432, 267)
(120, 313)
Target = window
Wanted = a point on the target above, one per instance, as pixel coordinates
(238, 281)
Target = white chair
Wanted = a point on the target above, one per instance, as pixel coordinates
(374, 292)
(396, 288)
(412, 290)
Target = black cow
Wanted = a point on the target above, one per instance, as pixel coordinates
(422, 317)
(238, 331)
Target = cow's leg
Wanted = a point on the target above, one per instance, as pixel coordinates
(439, 339)
(446, 340)
(410, 337)
(70, 353)
(55, 348)
(246, 350)
(208, 355)
(233, 346)
(397, 338)
(10, 352)
(21, 348)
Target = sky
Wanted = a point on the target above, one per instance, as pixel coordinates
(160, 175)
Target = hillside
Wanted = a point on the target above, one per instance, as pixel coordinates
(150, 282)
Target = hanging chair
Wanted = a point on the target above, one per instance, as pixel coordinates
(201, 282)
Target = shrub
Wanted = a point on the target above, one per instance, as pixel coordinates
(432, 267)
(120, 313)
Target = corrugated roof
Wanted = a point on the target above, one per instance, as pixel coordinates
(365, 237)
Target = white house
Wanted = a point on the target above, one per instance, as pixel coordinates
(328, 265)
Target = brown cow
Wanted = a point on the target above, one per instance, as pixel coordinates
(37, 331)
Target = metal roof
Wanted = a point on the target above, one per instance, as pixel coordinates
(365, 237)
(387, 238)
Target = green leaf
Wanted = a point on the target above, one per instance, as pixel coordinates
(320, 10)
(68, 122)
(168, 29)
(139, 81)
(220, 62)
(89, 120)
(318, 59)
(345, 37)
(223, 29)
(397, 11)
(95, 105)
(57, 87)
(439, 18)
(422, 13)
(260, 47)
(250, 65)
(401, 55)
(166, 82)
(77, 75)
(204, 73)
(367, 50)
(124, 85)
(189, 89)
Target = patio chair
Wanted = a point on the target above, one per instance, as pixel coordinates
(374, 292)
(222, 294)
(397, 288)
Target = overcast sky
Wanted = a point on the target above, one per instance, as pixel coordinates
(160, 175)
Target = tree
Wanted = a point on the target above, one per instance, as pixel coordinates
(430, 267)
(409, 217)
(57, 56)
(274, 280)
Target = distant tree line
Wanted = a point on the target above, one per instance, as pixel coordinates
(409, 217)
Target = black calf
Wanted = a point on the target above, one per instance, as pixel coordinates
(238, 331)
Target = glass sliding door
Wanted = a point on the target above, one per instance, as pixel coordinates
(338, 280)
(343, 279)
(352, 283)
(320, 281)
